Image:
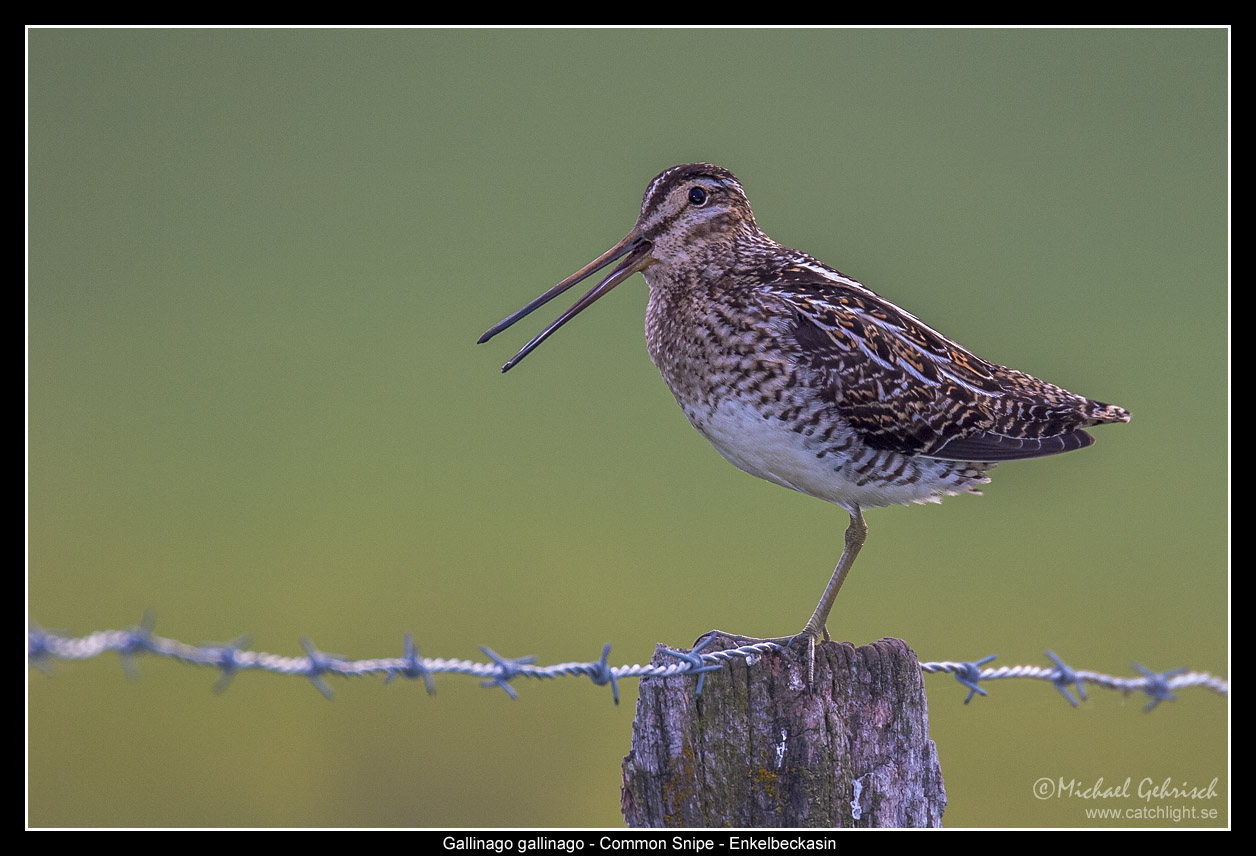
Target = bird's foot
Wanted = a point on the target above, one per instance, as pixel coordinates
(808, 637)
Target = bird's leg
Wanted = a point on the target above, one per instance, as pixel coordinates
(856, 534)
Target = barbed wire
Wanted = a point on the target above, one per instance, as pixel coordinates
(232, 657)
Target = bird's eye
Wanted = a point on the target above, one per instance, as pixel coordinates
(697, 196)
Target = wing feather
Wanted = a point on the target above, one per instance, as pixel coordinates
(907, 388)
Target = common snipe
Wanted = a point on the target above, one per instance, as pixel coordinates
(800, 375)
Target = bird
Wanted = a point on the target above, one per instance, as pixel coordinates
(804, 377)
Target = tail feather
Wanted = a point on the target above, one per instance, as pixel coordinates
(1101, 413)
(992, 447)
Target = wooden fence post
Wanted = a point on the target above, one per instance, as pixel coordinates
(756, 749)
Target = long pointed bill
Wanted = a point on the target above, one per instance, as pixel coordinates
(637, 252)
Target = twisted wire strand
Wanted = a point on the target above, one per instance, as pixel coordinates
(233, 657)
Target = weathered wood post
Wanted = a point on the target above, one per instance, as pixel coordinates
(756, 749)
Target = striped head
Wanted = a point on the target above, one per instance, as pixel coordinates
(692, 194)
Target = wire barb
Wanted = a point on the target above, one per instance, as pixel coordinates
(1067, 676)
(1157, 685)
(139, 640)
(318, 664)
(228, 661)
(694, 659)
(604, 674)
(510, 669)
(969, 674)
(414, 667)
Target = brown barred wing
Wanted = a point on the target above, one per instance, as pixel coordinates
(907, 388)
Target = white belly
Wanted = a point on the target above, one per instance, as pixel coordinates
(771, 450)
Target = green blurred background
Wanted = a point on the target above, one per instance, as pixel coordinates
(258, 265)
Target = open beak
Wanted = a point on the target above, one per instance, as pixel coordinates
(635, 251)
